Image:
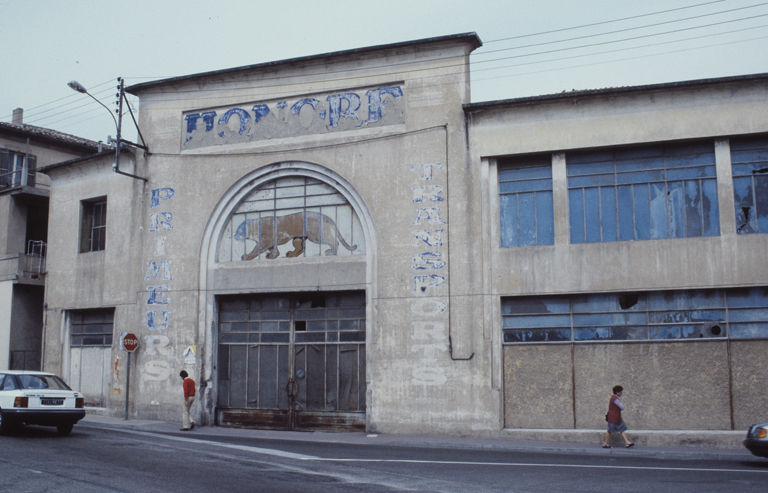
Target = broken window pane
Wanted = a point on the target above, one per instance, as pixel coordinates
(691, 314)
(749, 161)
(643, 193)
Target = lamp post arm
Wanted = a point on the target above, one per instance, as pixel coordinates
(105, 107)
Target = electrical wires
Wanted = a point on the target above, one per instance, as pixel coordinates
(627, 38)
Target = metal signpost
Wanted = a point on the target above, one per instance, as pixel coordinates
(129, 342)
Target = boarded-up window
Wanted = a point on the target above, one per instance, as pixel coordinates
(643, 193)
(292, 217)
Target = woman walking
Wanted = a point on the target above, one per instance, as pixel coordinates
(615, 423)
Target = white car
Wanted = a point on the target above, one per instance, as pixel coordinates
(38, 398)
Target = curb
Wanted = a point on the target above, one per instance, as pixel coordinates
(437, 442)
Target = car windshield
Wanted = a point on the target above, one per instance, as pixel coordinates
(42, 382)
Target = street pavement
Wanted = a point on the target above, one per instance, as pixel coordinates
(214, 433)
(110, 454)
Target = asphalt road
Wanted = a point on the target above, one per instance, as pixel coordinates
(98, 460)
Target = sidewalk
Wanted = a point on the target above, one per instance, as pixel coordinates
(502, 442)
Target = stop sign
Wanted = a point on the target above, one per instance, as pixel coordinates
(130, 342)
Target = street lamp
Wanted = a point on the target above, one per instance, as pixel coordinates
(79, 88)
(76, 86)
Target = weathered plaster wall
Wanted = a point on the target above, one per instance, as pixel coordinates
(750, 379)
(6, 302)
(411, 176)
(667, 386)
(538, 387)
(27, 324)
(13, 219)
(45, 153)
(102, 279)
(621, 118)
(657, 376)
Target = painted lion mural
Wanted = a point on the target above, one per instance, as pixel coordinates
(271, 231)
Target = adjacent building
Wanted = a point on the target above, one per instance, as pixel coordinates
(346, 241)
(23, 233)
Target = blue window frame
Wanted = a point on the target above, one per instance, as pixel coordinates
(658, 315)
(643, 193)
(525, 202)
(749, 164)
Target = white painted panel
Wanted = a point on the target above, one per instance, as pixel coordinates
(74, 369)
(334, 199)
(91, 375)
(261, 194)
(321, 189)
(259, 205)
(107, 369)
(290, 192)
(289, 203)
(312, 249)
(291, 181)
(344, 226)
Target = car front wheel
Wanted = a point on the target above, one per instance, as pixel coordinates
(65, 429)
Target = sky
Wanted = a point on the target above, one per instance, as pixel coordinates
(530, 47)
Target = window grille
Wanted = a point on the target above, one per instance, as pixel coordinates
(91, 327)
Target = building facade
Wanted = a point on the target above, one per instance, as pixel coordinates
(345, 241)
(23, 234)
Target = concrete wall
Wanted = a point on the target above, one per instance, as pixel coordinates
(668, 386)
(46, 153)
(27, 325)
(6, 304)
(13, 225)
(402, 174)
(101, 279)
(425, 193)
(21, 306)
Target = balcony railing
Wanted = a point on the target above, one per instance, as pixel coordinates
(25, 267)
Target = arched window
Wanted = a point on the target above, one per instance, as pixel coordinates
(291, 217)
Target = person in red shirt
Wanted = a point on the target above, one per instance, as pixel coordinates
(189, 398)
(615, 423)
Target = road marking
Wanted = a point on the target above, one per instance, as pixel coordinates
(245, 448)
(531, 464)
(290, 455)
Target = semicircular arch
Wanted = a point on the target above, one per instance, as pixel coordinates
(221, 218)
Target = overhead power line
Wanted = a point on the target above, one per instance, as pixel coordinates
(624, 39)
(571, 57)
(264, 82)
(624, 30)
(614, 60)
(601, 23)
